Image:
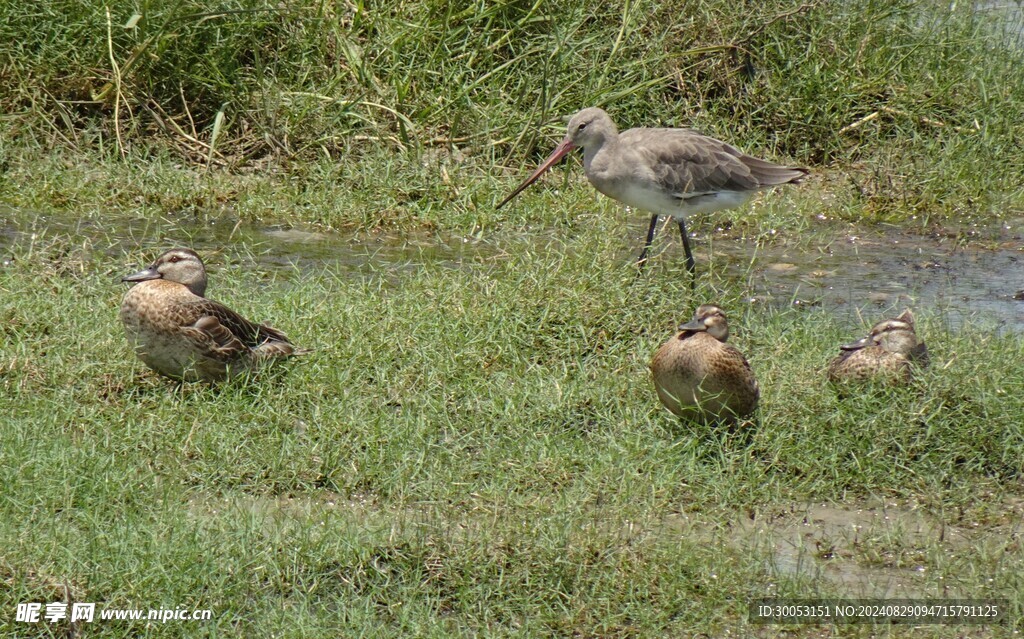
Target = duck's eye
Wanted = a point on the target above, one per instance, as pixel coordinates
(175, 258)
(582, 126)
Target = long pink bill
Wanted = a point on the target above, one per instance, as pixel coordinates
(555, 156)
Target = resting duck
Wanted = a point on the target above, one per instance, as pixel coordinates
(181, 334)
(698, 375)
(888, 353)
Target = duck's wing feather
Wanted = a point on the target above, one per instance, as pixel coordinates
(214, 340)
(745, 372)
(248, 334)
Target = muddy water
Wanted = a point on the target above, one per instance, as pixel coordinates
(1006, 17)
(849, 271)
(272, 246)
(829, 543)
(867, 550)
(853, 271)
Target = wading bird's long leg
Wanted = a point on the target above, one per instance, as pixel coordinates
(647, 244)
(690, 264)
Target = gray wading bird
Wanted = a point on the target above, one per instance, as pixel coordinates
(673, 172)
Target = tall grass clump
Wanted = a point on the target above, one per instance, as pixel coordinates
(907, 97)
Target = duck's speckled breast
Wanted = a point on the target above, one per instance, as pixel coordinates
(153, 313)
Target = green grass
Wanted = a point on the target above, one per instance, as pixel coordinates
(475, 447)
(470, 450)
(359, 107)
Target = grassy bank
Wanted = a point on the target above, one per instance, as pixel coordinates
(475, 450)
(911, 106)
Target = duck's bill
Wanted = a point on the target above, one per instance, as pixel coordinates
(142, 276)
(555, 156)
(855, 346)
(693, 325)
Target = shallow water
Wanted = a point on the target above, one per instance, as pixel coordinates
(866, 550)
(847, 271)
(1007, 17)
(270, 246)
(869, 550)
